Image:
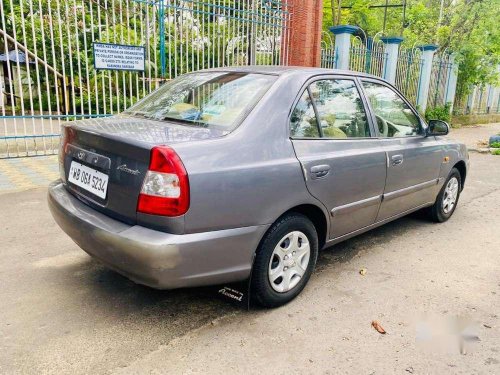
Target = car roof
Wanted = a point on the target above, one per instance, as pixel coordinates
(282, 70)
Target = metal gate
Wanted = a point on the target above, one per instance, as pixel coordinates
(408, 73)
(368, 57)
(46, 51)
(440, 75)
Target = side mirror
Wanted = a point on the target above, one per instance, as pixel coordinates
(437, 127)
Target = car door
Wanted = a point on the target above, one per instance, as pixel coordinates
(413, 160)
(344, 166)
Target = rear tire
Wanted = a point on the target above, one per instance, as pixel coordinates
(284, 260)
(447, 199)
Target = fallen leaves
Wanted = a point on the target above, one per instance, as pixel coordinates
(378, 327)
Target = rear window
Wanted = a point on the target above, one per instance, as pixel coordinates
(218, 100)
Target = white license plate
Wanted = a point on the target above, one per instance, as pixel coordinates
(89, 179)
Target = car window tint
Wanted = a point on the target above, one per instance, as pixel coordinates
(303, 120)
(394, 116)
(340, 109)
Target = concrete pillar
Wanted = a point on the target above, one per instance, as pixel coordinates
(425, 75)
(391, 48)
(489, 100)
(343, 44)
(303, 45)
(451, 85)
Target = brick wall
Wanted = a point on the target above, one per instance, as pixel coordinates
(305, 32)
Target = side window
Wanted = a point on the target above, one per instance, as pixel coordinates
(394, 116)
(303, 120)
(340, 109)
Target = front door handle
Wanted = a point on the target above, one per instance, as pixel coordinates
(397, 159)
(319, 171)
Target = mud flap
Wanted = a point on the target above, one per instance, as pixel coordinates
(238, 293)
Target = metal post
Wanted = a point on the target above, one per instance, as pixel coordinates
(451, 84)
(369, 54)
(440, 62)
(161, 15)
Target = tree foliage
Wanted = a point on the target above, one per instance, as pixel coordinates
(468, 28)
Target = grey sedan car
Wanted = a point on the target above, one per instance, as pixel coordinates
(244, 173)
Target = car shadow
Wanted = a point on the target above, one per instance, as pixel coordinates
(109, 291)
(348, 249)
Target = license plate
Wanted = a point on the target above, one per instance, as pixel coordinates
(89, 179)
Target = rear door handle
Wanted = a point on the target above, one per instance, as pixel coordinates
(319, 171)
(397, 159)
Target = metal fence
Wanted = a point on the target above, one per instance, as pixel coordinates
(328, 55)
(408, 73)
(440, 74)
(369, 58)
(46, 51)
(481, 100)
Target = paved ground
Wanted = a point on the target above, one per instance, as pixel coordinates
(62, 312)
(26, 173)
(475, 136)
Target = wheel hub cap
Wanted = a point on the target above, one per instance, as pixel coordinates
(289, 261)
(450, 195)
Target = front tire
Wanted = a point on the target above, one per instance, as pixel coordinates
(284, 260)
(447, 199)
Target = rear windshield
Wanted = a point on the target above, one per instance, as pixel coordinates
(216, 100)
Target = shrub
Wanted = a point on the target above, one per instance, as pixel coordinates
(495, 151)
(495, 145)
(439, 113)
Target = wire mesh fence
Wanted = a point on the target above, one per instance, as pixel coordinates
(46, 50)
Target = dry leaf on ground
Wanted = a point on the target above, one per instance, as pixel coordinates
(378, 327)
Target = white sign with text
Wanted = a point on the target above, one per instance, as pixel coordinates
(118, 57)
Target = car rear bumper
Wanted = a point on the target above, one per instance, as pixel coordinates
(157, 259)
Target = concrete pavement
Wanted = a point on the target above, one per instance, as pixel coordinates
(63, 313)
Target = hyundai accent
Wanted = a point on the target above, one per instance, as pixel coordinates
(230, 174)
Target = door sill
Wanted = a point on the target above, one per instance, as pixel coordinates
(344, 237)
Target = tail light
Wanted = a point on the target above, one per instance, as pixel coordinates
(165, 190)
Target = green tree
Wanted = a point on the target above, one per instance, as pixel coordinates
(469, 28)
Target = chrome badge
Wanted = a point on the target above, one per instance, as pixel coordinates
(81, 155)
(125, 169)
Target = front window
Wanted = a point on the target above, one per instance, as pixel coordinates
(217, 100)
(394, 116)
